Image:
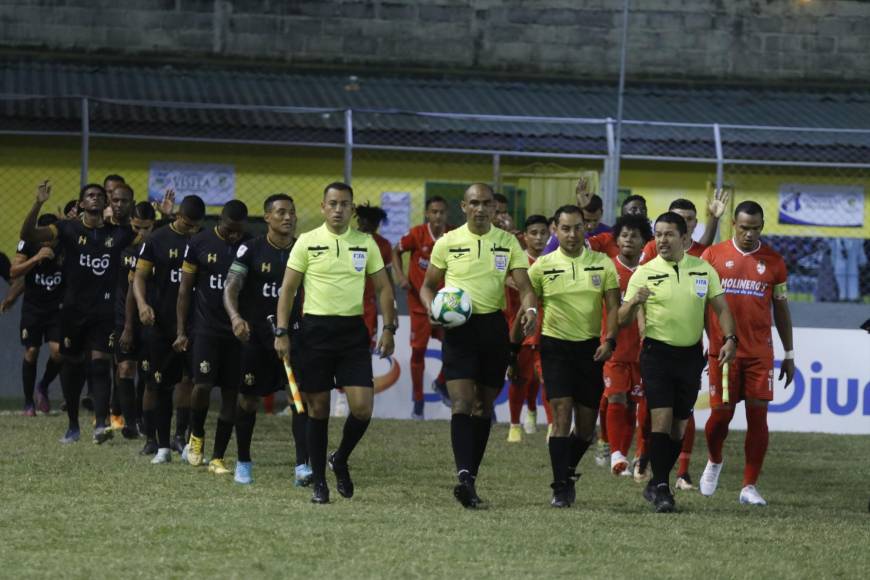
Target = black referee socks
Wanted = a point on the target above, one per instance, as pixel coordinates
(462, 438)
(300, 437)
(318, 436)
(661, 457)
(560, 449)
(353, 431)
(244, 432)
(480, 428)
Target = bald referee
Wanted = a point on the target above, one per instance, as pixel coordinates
(673, 290)
(332, 263)
(477, 258)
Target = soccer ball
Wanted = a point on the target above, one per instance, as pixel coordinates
(451, 307)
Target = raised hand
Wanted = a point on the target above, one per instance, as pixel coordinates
(719, 203)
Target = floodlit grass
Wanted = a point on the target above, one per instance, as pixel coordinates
(93, 511)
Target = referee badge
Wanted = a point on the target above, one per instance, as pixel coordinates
(501, 262)
(701, 287)
(596, 280)
(359, 260)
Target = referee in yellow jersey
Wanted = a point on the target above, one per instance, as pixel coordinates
(477, 257)
(332, 263)
(573, 283)
(673, 290)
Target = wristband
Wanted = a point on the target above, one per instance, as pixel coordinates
(532, 309)
(789, 355)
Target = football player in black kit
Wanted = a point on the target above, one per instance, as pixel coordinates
(155, 288)
(41, 266)
(215, 351)
(250, 297)
(92, 254)
(129, 346)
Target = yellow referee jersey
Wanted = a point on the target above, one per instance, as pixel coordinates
(572, 292)
(335, 269)
(479, 264)
(674, 312)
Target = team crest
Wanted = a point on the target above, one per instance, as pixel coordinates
(729, 264)
(146, 366)
(112, 340)
(607, 382)
(67, 343)
(701, 287)
(158, 377)
(24, 334)
(204, 367)
(249, 379)
(359, 260)
(501, 262)
(109, 242)
(760, 267)
(596, 280)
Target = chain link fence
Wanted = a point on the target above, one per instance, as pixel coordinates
(811, 183)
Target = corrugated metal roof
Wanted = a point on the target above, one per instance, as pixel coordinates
(846, 109)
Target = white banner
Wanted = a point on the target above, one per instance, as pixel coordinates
(398, 208)
(214, 183)
(821, 205)
(830, 393)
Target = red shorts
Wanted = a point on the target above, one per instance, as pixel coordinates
(421, 330)
(748, 378)
(622, 377)
(370, 317)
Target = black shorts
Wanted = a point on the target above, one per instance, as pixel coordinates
(39, 326)
(478, 350)
(138, 351)
(262, 371)
(671, 375)
(216, 360)
(85, 331)
(334, 352)
(163, 366)
(570, 371)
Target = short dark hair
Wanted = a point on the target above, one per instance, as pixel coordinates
(570, 208)
(595, 204)
(633, 222)
(340, 186)
(371, 213)
(46, 219)
(748, 207)
(235, 210)
(683, 204)
(70, 205)
(632, 198)
(92, 186)
(499, 198)
(670, 217)
(113, 177)
(192, 207)
(435, 199)
(127, 188)
(535, 219)
(551, 220)
(267, 205)
(144, 211)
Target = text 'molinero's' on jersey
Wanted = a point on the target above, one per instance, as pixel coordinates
(162, 255)
(680, 291)
(751, 280)
(125, 275)
(209, 256)
(43, 284)
(91, 260)
(263, 264)
(572, 292)
(479, 264)
(335, 269)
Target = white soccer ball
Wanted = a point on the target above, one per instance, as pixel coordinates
(451, 307)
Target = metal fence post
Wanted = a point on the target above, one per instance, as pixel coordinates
(611, 189)
(496, 172)
(720, 165)
(348, 146)
(86, 139)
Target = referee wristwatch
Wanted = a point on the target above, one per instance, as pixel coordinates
(391, 328)
(732, 338)
(279, 332)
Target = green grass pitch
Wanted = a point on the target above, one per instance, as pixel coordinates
(86, 511)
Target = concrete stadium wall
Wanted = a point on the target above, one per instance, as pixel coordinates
(756, 40)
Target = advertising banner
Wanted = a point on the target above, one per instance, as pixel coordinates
(821, 205)
(214, 183)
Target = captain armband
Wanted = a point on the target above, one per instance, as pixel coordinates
(780, 292)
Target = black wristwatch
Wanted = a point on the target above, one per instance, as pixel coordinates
(730, 337)
(391, 328)
(611, 342)
(279, 332)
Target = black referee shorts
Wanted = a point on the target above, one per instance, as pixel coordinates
(570, 371)
(162, 365)
(671, 375)
(85, 331)
(334, 352)
(478, 350)
(262, 371)
(39, 326)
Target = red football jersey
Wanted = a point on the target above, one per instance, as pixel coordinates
(512, 306)
(370, 300)
(419, 241)
(748, 279)
(604, 242)
(628, 339)
(649, 251)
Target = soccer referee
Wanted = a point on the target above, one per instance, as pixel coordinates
(673, 290)
(332, 263)
(476, 258)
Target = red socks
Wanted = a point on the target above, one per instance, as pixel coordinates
(602, 415)
(619, 428)
(688, 445)
(755, 446)
(418, 365)
(716, 431)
